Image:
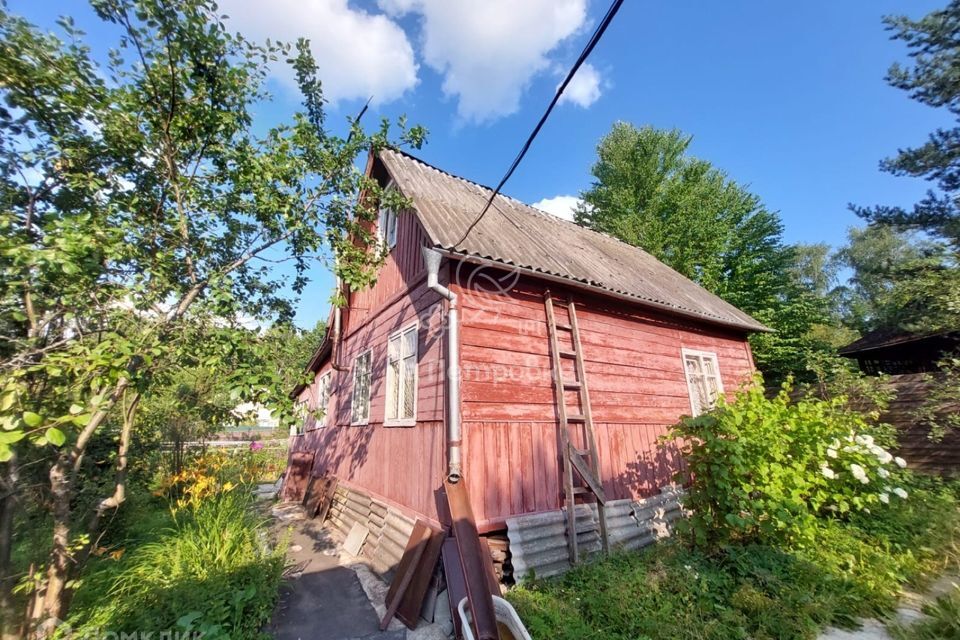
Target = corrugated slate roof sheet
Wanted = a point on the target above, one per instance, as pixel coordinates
(514, 233)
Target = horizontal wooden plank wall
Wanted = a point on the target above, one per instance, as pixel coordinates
(402, 465)
(921, 453)
(635, 376)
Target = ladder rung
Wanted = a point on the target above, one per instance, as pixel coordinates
(577, 418)
(579, 490)
(572, 385)
(565, 327)
(579, 452)
(567, 354)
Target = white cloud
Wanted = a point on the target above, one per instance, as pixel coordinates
(584, 88)
(489, 51)
(560, 206)
(359, 54)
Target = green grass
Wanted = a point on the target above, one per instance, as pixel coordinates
(942, 621)
(669, 591)
(205, 569)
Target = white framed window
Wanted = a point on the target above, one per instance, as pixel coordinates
(703, 379)
(360, 401)
(401, 406)
(387, 225)
(301, 424)
(323, 400)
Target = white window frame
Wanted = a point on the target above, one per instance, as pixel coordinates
(302, 409)
(406, 421)
(691, 392)
(387, 224)
(323, 399)
(353, 392)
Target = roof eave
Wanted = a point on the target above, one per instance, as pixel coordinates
(586, 286)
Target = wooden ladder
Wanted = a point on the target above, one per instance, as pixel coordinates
(585, 483)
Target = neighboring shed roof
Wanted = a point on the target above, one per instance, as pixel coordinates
(884, 338)
(516, 234)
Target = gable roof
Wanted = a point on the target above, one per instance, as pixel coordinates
(517, 235)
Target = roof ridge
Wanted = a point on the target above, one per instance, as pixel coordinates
(537, 210)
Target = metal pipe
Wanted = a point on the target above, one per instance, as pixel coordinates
(431, 259)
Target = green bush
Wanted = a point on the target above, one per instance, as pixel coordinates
(765, 469)
(671, 591)
(209, 571)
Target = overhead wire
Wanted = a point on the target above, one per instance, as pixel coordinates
(591, 43)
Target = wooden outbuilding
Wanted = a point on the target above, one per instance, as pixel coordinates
(632, 346)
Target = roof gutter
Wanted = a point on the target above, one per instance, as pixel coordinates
(583, 286)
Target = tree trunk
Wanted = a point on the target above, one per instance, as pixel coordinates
(9, 623)
(58, 568)
(120, 488)
(52, 607)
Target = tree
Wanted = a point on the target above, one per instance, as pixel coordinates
(649, 193)
(137, 196)
(933, 43)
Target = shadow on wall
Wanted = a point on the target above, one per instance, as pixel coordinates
(652, 469)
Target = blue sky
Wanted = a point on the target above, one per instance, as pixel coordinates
(788, 98)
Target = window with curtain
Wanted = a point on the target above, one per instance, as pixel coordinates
(703, 380)
(323, 399)
(401, 407)
(360, 405)
(387, 226)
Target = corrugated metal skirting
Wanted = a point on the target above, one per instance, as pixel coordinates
(538, 542)
(389, 529)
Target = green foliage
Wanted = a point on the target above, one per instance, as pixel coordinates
(208, 570)
(942, 621)
(649, 193)
(766, 469)
(928, 288)
(753, 591)
(939, 408)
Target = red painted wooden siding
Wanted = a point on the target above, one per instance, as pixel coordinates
(402, 465)
(634, 373)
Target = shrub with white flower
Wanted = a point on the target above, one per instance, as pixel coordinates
(768, 468)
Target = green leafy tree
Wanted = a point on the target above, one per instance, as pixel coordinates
(933, 43)
(136, 195)
(648, 192)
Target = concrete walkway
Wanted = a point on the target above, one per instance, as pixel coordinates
(909, 612)
(322, 599)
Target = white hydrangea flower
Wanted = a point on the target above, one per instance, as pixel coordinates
(885, 498)
(859, 473)
(827, 472)
(901, 493)
(883, 455)
(883, 473)
(831, 453)
(900, 462)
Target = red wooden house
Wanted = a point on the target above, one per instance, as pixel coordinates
(650, 344)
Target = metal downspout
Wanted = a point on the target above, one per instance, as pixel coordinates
(431, 259)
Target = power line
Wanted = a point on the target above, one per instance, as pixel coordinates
(594, 39)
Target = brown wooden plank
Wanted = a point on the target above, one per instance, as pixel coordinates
(412, 601)
(406, 570)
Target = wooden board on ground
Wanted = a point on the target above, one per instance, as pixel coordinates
(416, 546)
(298, 473)
(329, 490)
(411, 603)
(312, 496)
(354, 542)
